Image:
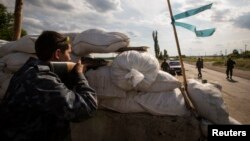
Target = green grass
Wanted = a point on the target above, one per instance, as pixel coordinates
(241, 63)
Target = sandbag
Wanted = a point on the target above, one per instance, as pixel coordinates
(4, 83)
(14, 61)
(25, 44)
(99, 37)
(122, 105)
(164, 82)
(208, 101)
(83, 48)
(100, 80)
(134, 70)
(6, 48)
(163, 103)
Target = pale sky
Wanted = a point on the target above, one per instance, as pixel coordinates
(139, 18)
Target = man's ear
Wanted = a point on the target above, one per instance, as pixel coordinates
(57, 54)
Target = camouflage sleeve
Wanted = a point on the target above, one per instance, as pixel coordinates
(56, 99)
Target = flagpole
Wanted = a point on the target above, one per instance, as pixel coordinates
(178, 47)
(188, 101)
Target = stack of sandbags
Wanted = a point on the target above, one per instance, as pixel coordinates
(133, 83)
(98, 41)
(208, 101)
(12, 56)
(25, 44)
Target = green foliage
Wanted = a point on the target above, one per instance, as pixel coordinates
(165, 54)
(156, 45)
(160, 56)
(6, 24)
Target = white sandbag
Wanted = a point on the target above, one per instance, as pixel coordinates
(2, 64)
(100, 80)
(14, 61)
(208, 101)
(163, 103)
(6, 48)
(99, 37)
(134, 70)
(123, 105)
(164, 82)
(25, 44)
(3, 42)
(4, 83)
(83, 48)
(204, 124)
(215, 84)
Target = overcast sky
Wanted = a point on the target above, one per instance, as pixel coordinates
(138, 18)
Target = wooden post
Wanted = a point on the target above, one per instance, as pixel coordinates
(17, 20)
(184, 92)
(178, 47)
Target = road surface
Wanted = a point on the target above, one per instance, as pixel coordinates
(236, 92)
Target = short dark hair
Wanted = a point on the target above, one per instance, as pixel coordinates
(48, 42)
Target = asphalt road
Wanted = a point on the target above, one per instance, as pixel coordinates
(236, 92)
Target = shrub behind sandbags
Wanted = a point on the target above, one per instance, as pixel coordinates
(208, 101)
(134, 70)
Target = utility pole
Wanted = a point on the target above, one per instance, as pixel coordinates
(17, 20)
(245, 48)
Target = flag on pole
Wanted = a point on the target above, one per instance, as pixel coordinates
(198, 33)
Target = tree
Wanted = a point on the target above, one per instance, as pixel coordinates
(6, 20)
(235, 52)
(165, 53)
(160, 56)
(18, 20)
(156, 45)
(6, 24)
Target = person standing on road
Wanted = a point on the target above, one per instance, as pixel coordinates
(165, 66)
(230, 65)
(38, 105)
(199, 66)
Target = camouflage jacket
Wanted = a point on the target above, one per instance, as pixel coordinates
(38, 106)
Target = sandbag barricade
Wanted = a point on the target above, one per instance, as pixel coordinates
(98, 41)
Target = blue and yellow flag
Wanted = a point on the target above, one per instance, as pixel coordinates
(198, 33)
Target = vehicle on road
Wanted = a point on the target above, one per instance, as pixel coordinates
(174, 67)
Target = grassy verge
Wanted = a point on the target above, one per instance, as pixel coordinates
(241, 63)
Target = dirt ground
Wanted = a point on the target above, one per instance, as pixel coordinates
(236, 72)
(236, 96)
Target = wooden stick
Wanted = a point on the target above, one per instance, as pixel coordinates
(178, 47)
(188, 102)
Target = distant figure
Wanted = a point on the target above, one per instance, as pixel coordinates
(230, 65)
(199, 66)
(165, 66)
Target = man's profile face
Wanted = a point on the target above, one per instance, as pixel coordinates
(65, 56)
